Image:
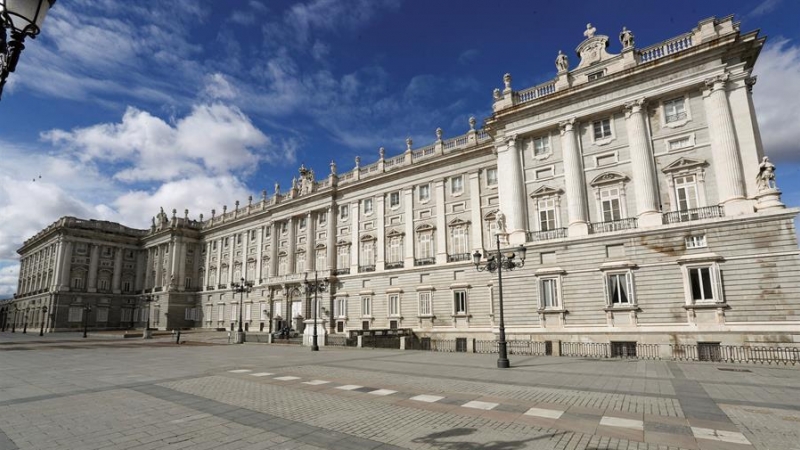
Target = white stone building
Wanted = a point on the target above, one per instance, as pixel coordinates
(636, 181)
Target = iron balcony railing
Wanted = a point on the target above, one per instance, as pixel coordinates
(675, 117)
(689, 215)
(458, 257)
(222, 286)
(394, 265)
(613, 225)
(367, 268)
(424, 261)
(556, 233)
(345, 271)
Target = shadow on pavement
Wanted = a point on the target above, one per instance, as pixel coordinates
(436, 440)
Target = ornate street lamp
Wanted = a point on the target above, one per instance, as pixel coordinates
(25, 318)
(86, 310)
(241, 288)
(20, 19)
(316, 287)
(498, 263)
(147, 299)
(44, 317)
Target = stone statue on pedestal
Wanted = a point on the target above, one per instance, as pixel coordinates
(626, 38)
(500, 221)
(562, 63)
(766, 175)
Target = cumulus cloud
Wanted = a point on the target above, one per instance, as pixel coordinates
(213, 138)
(775, 94)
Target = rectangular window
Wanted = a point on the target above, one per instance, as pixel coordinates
(368, 253)
(686, 192)
(460, 302)
(341, 307)
(457, 185)
(239, 239)
(344, 212)
(700, 279)
(267, 231)
(187, 282)
(126, 316)
(367, 205)
(366, 306)
(225, 242)
(214, 245)
(248, 312)
(424, 192)
(300, 262)
(322, 219)
(676, 144)
(425, 245)
(595, 76)
(541, 146)
(102, 284)
(696, 241)
(459, 240)
(547, 172)
(619, 288)
(322, 259)
(425, 308)
(674, 110)
(77, 283)
(491, 177)
(394, 199)
(394, 305)
(220, 312)
(343, 257)
(278, 308)
(301, 224)
(252, 235)
(610, 204)
(75, 314)
(262, 310)
(547, 214)
(234, 313)
(395, 249)
(548, 293)
(602, 129)
(282, 265)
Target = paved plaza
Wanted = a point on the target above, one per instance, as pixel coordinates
(64, 392)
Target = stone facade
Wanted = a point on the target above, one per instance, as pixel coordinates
(636, 181)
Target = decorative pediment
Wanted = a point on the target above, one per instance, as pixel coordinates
(593, 49)
(394, 233)
(424, 227)
(608, 178)
(320, 246)
(684, 164)
(458, 222)
(300, 251)
(342, 242)
(282, 253)
(491, 215)
(546, 191)
(368, 237)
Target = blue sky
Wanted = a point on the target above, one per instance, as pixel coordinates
(125, 107)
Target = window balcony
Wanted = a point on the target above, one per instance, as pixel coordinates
(158, 289)
(556, 233)
(222, 286)
(459, 257)
(675, 117)
(394, 265)
(424, 261)
(210, 287)
(367, 268)
(689, 215)
(345, 271)
(613, 225)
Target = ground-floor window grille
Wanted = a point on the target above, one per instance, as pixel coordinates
(709, 351)
(623, 349)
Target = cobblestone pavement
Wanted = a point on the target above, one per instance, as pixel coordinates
(64, 392)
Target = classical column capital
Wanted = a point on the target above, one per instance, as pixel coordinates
(566, 125)
(716, 83)
(634, 107)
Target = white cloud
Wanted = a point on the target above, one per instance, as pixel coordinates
(775, 96)
(214, 138)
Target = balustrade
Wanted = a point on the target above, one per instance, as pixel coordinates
(689, 215)
(556, 233)
(613, 225)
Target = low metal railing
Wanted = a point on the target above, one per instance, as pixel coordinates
(394, 265)
(424, 261)
(332, 340)
(557, 233)
(613, 225)
(689, 215)
(341, 271)
(458, 257)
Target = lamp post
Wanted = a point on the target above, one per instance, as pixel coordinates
(20, 19)
(25, 319)
(317, 286)
(86, 310)
(241, 288)
(44, 317)
(14, 322)
(498, 263)
(147, 299)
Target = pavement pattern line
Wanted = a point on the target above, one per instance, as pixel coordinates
(575, 420)
(298, 431)
(6, 443)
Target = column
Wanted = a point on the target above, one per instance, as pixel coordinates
(207, 268)
(197, 282)
(273, 249)
(574, 179)
(511, 189)
(219, 263)
(290, 252)
(231, 253)
(58, 258)
(311, 252)
(180, 278)
(726, 159)
(138, 281)
(259, 276)
(117, 277)
(441, 224)
(408, 227)
(380, 244)
(476, 231)
(245, 255)
(94, 260)
(148, 269)
(642, 166)
(332, 249)
(355, 244)
(159, 281)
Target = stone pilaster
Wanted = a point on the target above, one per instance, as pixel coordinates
(476, 230)
(355, 245)
(331, 235)
(292, 249)
(511, 189)
(311, 252)
(117, 276)
(94, 260)
(642, 165)
(408, 227)
(380, 244)
(726, 158)
(273, 249)
(441, 224)
(58, 258)
(259, 275)
(574, 180)
(220, 241)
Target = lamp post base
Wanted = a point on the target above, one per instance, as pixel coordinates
(240, 337)
(503, 363)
